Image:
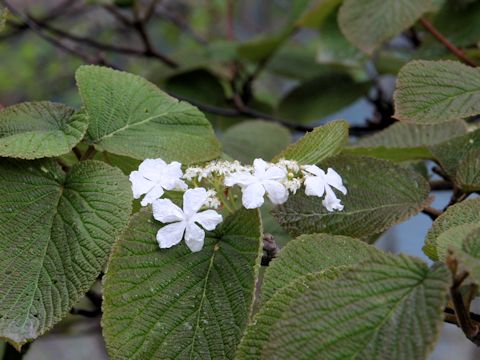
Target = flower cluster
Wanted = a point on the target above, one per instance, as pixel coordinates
(275, 180)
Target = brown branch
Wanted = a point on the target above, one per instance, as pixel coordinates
(431, 212)
(440, 185)
(140, 26)
(469, 327)
(450, 46)
(37, 29)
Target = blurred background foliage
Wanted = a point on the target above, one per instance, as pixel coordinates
(284, 62)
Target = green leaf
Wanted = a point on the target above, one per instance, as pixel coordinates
(366, 306)
(259, 328)
(451, 228)
(130, 116)
(369, 23)
(334, 48)
(253, 139)
(403, 141)
(430, 92)
(451, 153)
(317, 14)
(319, 97)
(468, 172)
(459, 22)
(312, 253)
(39, 129)
(469, 254)
(380, 194)
(56, 232)
(172, 303)
(323, 142)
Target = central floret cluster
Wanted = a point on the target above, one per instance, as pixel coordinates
(207, 187)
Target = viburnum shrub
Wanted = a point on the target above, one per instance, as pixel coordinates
(133, 191)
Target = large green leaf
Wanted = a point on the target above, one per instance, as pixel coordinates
(130, 116)
(253, 139)
(403, 141)
(430, 92)
(369, 23)
(39, 129)
(389, 307)
(312, 253)
(323, 142)
(56, 232)
(172, 303)
(452, 153)
(451, 228)
(319, 97)
(380, 194)
(258, 330)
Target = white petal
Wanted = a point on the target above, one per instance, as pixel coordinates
(166, 211)
(154, 194)
(193, 200)
(194, 237)
(240, 178)
(152, 168)
(314, 169)
(209, 219)
(314, 186)
(331, 202)
(335, 180)
(277, 192)
(259, 166)
(171, 234)
(171, 175)
(252, 196)
(140, 185)
(275, 173)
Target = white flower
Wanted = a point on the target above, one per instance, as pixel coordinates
(320, 183)
(289, 165)
(153, 177)
(212, 199)
(265, 178)
(185, 221)
(293, 185)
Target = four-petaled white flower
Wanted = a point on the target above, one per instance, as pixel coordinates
(185, 221)
(153, 177)
(265, 178)
(317, 183)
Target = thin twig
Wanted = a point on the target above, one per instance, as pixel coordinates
(440, 185)
(38, 30)
(450, 46)
(431, 212)
(140, 27)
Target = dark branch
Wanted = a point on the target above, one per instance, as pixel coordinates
(450, 46)
(431, 212)
(37, 29)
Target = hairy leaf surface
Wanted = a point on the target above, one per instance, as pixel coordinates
(34, 130)
(323, 142)
(389, 307)
(430, 92)
(172, 303)
(369, 23)
(56, 232)
(130, 116)
(380, 194)
(451, 228)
